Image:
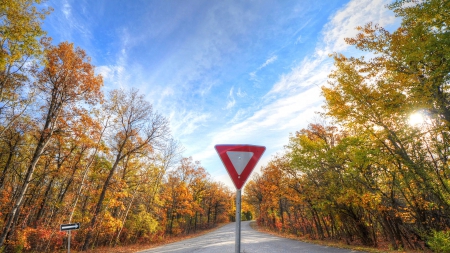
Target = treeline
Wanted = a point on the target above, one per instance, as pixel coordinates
(368, 173)
(69, 153)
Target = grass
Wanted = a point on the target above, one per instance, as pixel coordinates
(383, 248)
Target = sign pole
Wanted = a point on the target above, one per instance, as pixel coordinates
(238, 222)
(239, 160)
(68, 228)
(68, 243)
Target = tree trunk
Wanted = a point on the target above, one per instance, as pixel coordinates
(5, 169)
(44, 201)
(43, 141)
(100, 204)
(125, 217)
(86, 170)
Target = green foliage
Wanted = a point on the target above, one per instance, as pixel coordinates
(440, 241)
(20, 28)
(143, 222)
(247, 215)
(372, 173)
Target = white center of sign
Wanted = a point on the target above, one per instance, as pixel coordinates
(239, 159)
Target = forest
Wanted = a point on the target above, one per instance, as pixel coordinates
(72, 153)
(374, 169)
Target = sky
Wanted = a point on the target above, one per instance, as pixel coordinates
(221, 71)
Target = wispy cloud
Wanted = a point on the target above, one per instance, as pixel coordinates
(342, 25)
(311, 71)
(295, 98)
(186, 122)
(186, 63)
(240, 93)
(117, 74)
(355, 13)
(253, 74)
(299, 40)
(268, 61)
(67, 9)
(202, 47)
(230, 99)
(68, 23)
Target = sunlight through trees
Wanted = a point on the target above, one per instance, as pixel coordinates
(376, 173)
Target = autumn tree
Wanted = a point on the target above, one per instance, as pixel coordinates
(66, 82)
(182, 193)
(20, 30)
(375, 175)
(136, 128)
(408, 73)
(378, 174)
(217, 203)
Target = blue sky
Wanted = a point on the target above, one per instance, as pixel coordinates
(222, 71)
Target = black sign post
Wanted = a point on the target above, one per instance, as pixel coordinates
(69, 227)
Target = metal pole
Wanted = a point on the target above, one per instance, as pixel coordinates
(238, 222)
(68, 244)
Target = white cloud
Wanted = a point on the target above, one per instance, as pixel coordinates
(69, 24)
(355, 13)
(293, 100)
(273, 116)
(342, 25)
(113, 75)
(240, 93)
(253, 76)
(201, 49)
(118, 75)
(268, 61)
(168, 91)
(231, 101)
(299, 40)
(67, 10)
(311, 71)
(240, 114)
(104, 71)
(186, 122)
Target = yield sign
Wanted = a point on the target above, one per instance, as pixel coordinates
(239, 160)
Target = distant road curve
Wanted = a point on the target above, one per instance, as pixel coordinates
(222, 241)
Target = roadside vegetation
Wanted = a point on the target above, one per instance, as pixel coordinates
(71, 154)
(375, 172)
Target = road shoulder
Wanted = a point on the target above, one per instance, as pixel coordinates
(336, 244)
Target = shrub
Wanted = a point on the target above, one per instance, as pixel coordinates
(440, 241)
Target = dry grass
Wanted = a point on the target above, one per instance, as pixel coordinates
(382, 248)
(141, 247)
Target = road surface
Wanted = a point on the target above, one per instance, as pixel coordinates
(222, 241)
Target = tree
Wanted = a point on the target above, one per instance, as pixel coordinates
(374, 97)
(135, 129)
(66, 82)
(20, 29)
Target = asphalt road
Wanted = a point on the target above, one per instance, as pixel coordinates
(222, 241)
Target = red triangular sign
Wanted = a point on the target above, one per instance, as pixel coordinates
(239, 160)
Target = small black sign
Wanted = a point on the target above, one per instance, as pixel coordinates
(65, 227)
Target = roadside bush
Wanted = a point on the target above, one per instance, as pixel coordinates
(440, 241)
